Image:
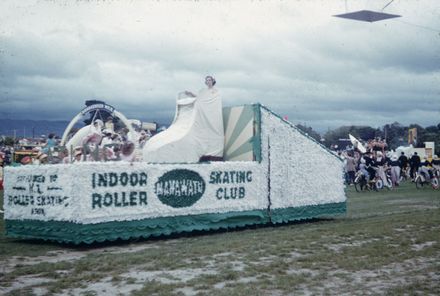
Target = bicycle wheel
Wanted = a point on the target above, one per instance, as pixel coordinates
(419, 182)
(390, 183)
(359, 184)
(435, 183)
(401, 179)
(378, 184)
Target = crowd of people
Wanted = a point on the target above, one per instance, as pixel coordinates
(100, 144)
(376, 163)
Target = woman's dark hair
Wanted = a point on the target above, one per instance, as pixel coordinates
(213, 79)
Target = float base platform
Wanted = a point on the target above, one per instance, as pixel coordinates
(68, 232)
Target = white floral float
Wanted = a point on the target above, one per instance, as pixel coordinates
(271, 173)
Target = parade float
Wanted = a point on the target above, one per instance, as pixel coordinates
(267, 171)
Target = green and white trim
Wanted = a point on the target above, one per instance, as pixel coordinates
(242, 133)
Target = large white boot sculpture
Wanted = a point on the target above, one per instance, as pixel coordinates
(197, 129)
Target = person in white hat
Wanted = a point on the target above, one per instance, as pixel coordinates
(40, 158)
(143, 138)
(107, 139)
(77, 155)
(395, 169)
(43, 158)
(95, 134)
(109, 125)
(380, 164)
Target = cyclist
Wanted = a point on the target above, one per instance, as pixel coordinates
(403, 161)
(363, 168)
(414, 164)
(369, 165)
(380, 163)
(425, 168)
(435, 162)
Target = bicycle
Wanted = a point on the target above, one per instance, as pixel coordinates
(421, 181)
(436, 172)
(378, 182)
(404, 175)
(361, 183)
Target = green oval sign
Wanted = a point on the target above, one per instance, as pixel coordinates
(179, 188)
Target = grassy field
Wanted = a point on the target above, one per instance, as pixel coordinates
(388, 243)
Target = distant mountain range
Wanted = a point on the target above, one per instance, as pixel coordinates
(36, 128)
(31, 128)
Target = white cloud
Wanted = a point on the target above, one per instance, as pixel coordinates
(292, 56)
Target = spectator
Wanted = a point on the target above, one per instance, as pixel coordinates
(143, 138)
(26, 160)
(127, 152)
(350, 168)
(395, 170)
(2, 157)
(109, 125)
(50, 143)
(107, 139)
(77, 155)
(40, 158)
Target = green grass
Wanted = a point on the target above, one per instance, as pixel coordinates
(388, 243)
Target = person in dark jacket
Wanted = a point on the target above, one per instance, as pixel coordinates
(425, 169)
(414, 164)
(369, 165)
(403, 161)
(403, 164)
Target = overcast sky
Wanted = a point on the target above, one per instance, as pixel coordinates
(292, 56)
